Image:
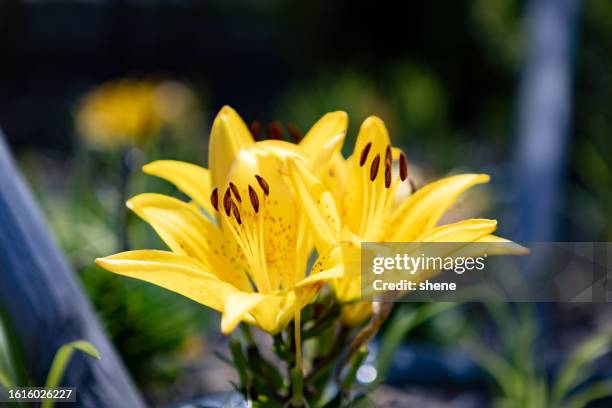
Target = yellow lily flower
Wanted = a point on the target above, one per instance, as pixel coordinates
(119, 114)
(241, 247)
(355, 203)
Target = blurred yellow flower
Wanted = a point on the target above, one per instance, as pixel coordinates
(355, 202)
(119, 114)
(246, 255)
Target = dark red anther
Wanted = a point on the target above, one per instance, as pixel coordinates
(403, 167)
(275, 130)
(294, 132)
(256, 129)
(235, 191)
(227, 202)
(214, 199)
(388, 175)
(236, 213)
(374, 167)
(254, 199)
(364, 154)
(263, 184)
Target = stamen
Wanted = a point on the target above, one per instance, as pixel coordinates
(294, 132)
(364, 154)
(275, 130)
(388, 174)
(214, 199)
(235, 191)
(256, 129)
(227, 202)
(374, 167)
(403, 167)
(263, 184)
(254, 199)
(388, 158)
(236, 213)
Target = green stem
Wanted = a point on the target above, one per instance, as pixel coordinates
(297, 388)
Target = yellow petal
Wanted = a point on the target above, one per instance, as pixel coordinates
(329, 126)
(178, 273)
(187, 232)
(502, 246)
(374, 134)
(278, 217)
(280, 148)
(422, 210)
(336, 178)
(462, 231)
(190, 179)
(353, 314)
(237, 305)
(228, 136)
(328, 266)
(324, 140)
(373, 130)
(317, 203)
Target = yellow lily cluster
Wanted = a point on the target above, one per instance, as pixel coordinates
(356, 203)
(242, 245)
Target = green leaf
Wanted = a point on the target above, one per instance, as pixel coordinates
(5, 381)
(349, 380)
(498, 368)
(7, 370)
(61, 360)
(579, 365)
(240, 362)
(403, 322)
(592, 392)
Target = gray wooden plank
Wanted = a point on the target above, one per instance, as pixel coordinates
(45, 303)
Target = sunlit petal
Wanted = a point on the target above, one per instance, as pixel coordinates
(191, 179)
(178, 273)
(317, 203)
(324, 140)
(187, 232)
(422, 211)
(228, 136)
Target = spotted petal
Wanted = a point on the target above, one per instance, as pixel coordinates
(187, 232)
(178, 273)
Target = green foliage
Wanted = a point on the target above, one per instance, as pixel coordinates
(519, 382)
(87, 215)
(61, 360)
(277, 380)
(12, 373)
(400, 326)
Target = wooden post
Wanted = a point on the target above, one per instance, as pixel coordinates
(544, 114)
(45, 304)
